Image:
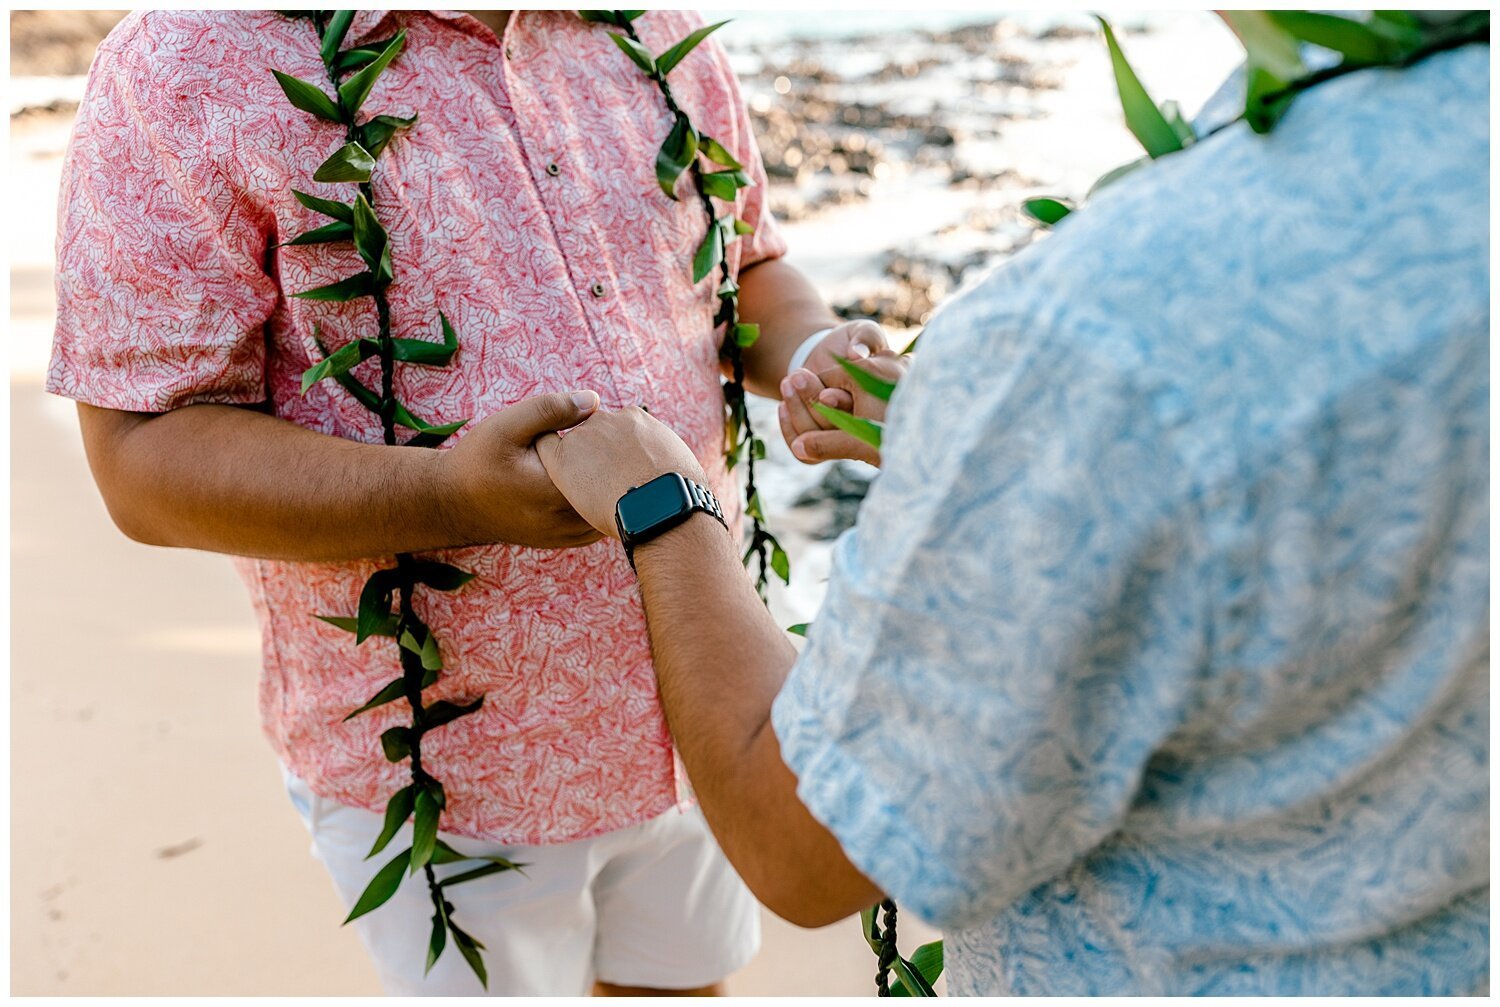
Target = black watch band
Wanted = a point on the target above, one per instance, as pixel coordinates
(646, 511)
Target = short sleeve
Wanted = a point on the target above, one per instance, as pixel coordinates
(766, 241)
(1010, 631)
(162, 293)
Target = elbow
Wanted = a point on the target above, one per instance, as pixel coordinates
(805, 901)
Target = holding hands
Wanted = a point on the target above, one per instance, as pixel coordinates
(811, 436)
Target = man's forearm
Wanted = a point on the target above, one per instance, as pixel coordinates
(233, 480)
(788, 309)
(720, 660)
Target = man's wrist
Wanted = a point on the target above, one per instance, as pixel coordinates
(808, 345)
(700, 535)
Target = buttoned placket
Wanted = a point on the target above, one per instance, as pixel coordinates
(547, 179)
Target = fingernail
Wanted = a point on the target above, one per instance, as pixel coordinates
(586, 401)
(801, 380)
(858, 351)
(787, 387)
(782, 413)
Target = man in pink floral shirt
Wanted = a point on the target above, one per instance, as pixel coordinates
(525, 207)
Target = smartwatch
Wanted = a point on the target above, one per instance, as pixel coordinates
(662, 504)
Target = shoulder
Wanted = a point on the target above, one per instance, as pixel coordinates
(196, 53)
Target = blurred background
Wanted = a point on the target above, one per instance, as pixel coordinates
(153, 850)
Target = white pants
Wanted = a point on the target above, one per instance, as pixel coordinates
(653, 905)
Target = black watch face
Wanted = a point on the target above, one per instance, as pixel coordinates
(646, 506)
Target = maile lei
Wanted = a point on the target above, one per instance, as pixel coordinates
(386, 604)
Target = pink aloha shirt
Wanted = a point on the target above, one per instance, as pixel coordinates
(525, 206)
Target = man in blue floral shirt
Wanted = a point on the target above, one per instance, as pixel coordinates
(1158, 660)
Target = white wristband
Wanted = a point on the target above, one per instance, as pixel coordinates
(805, 350)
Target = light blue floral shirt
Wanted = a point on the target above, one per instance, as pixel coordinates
(1158, 660)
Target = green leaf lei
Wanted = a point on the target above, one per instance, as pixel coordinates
(386, 604)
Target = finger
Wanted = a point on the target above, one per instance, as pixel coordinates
(865, 338)
(784, 417)
(799, 389)
(826, 445)
(837, 398)
(547, 448)
(542, 414)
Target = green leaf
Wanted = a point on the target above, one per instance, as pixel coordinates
(878, 387)
(344, 358)
(328, 207)
(443, 712)
(421, 351)
(724, 184)
(1115, 174)
(479, 872)
(343, 290)
(798, 628)
(728, 289)
(333, 35)
(757, 449)
(928, 960)
(375, 134)
(363, 55)
(424, 644)
(916, 985)
(442, 853)
(637, 52)
(335, 231)
(1267, 45)
(434, 436)
(439, 576)
(866, 430)
(781, 564)
(745, 334)
(870, 926)
(371, 240)
(381, 887)
(752, 507)
(354, 91)
(740, 227)
(667, 60)
(676, 153)
(308, 97)
(350, 163)
(351, 625)
(470, 948)
(1266, 99)
(710, 253)
(715, 152)
(1357, 42)
(397, 810)
(1273, 59)
(390, 692)
(1141, 114)
(407, 419)
(1172, 112)
(424, 829)
(375, 603)
(396, 743)
(436, 942)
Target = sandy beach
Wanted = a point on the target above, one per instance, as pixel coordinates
(153, 849)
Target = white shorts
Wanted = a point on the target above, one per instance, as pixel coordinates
(653, 905)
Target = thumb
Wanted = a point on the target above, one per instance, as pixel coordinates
(542, 414)
(865, 339)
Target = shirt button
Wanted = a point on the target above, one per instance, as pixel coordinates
(553, 170)
(597, 290)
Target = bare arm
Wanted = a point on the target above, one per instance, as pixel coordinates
(720, 660)
(788, 309)
(235, 480)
